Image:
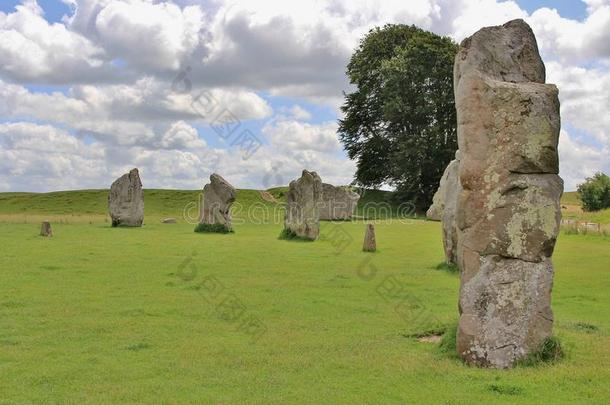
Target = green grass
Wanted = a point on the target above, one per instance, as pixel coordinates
(570, 198)
(573, 210)
(549, 351)
(448, 267)
(130, 315)
(212, 228)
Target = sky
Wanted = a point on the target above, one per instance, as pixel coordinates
(250, 89)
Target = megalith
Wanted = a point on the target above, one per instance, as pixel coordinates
(45, 229)
(508, 210)
(444, 205)
(338, 203)
(303, 202)
(218, 196)
(446, 185)
(370, 243)
(126, 200)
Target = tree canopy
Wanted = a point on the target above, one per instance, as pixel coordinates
(595, 192)
(400, 122)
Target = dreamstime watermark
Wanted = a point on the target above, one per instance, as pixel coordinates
(411, 310)
(225, 304)
(221, 119)
(261, 213)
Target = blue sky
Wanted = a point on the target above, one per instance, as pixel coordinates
(107, 72)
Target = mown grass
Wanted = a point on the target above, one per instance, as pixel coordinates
(114, 315)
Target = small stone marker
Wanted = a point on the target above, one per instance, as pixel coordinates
(45, 229)
(169, 221)
(370, 245)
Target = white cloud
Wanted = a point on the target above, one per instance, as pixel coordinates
(571, 41)
(42, 157)
(181, 136)
(31, 49)
(117, 60)
(585, 98)
(578, 161)
(298, 136)
(123, 114)
(149, 35)
(299, 113)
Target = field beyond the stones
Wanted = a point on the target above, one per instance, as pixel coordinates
(156, 314)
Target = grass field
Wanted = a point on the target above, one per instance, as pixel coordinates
(572, 209)
(113, 315)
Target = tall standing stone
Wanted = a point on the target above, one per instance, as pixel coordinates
(448, 218)
(338, 203)
(508, 210)
(218, 196)
(126, 200)
(447, 183)
(303, 200)
(444, 207)
(370, 243)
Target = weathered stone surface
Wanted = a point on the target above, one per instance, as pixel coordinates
(45, 229)
(447, 184)
(218, 196)
(508, 210)
(338, 203)
(452, 191)
(370, 244)
(126, 200)
(303, 200)
(444, 207)
(169, 221)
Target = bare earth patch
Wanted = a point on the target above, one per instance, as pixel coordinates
(430, 339)
(267, 196)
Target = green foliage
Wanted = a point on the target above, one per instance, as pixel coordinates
(212, 228)
(448, 342)
(451, 268)
(595, 192)
(400, 123)
(288, 234)
(505, 389)
(549, 351)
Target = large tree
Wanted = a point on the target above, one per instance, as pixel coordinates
(400, 123)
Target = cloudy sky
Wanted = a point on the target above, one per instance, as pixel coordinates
(250, 89)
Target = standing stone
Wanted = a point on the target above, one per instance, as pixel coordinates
(508, 210)
(338, 203)
(444, 206)
(370, 244)
(218, 196)
(452, 191)
(45, 229)
(126, 200)
(448, 180)
(303, 200)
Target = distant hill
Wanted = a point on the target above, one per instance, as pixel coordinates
(91, 205)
